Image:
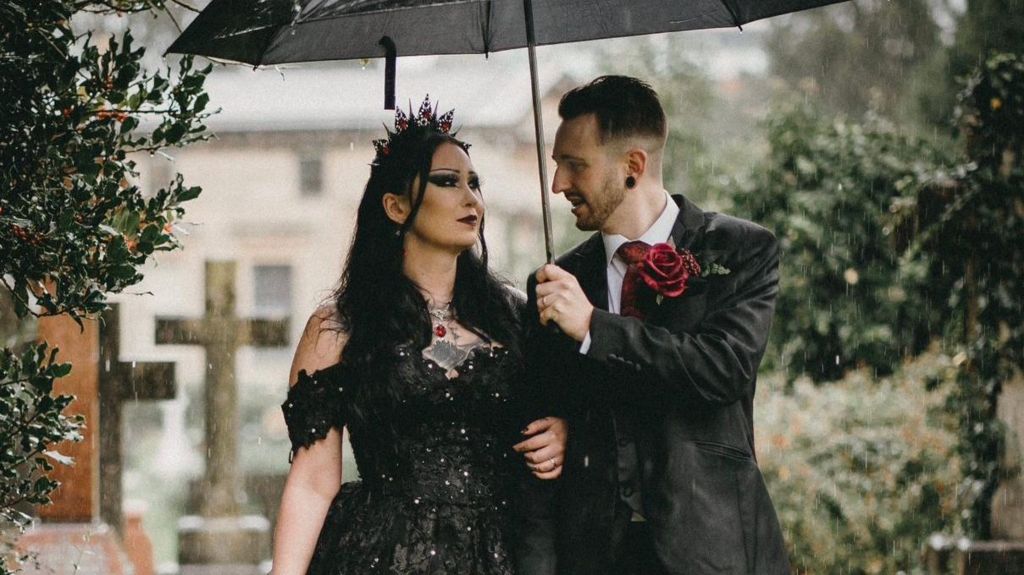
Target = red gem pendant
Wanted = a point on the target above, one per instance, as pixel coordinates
(440, 331)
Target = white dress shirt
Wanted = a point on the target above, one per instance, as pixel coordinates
(659, 232)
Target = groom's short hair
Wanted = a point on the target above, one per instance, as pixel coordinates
(624, 107)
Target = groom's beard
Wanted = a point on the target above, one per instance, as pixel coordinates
(600, 206)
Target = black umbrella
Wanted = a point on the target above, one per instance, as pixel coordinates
(262, 32)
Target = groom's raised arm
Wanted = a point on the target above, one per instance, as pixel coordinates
(716, 363)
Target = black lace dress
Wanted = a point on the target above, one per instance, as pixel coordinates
(436, 481)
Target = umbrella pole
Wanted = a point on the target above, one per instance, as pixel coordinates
(538, 127)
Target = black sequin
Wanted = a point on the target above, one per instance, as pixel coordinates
(435, 484)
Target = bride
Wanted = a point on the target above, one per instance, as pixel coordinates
(419, 358)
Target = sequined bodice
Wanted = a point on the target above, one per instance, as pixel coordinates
(446, 439)
(435, 457)
(451, 438)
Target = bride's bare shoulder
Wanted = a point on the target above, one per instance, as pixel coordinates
(322, 342)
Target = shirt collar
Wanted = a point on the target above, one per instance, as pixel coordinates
(659, 231)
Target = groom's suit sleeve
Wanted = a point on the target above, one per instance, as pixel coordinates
(716, 363)
(536, 534)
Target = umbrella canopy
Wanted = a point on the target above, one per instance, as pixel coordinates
(281, 31)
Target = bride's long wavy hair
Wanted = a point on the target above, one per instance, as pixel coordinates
(378, 306)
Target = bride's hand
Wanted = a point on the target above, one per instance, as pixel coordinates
(545, 449)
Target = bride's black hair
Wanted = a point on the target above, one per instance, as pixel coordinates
(380, 308)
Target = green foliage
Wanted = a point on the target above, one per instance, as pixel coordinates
(827, 189)
(69, 211)
(74, 224)
(983, 28)
(861, 471)
(977, 236)
(32, 422)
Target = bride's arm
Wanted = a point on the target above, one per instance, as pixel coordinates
(315, 475)
(312, 483)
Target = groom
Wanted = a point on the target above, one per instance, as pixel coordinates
(662, 317)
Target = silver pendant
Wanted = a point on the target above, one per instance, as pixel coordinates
(446, 355)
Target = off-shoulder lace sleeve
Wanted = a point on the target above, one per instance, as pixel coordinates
(315, 404)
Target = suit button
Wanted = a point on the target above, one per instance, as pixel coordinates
(637, 367)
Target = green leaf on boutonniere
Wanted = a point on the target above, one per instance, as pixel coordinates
(715, 269)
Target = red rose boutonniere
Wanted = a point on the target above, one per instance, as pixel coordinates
(667, 271)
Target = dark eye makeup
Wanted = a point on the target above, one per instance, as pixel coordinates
(450, 180)
(444, 180)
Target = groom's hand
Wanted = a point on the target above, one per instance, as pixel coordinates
(561, 299)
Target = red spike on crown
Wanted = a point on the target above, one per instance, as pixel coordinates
(401, 121)
(445, 121)
(426, 118)
(426, 112)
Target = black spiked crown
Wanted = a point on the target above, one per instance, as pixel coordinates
(426, 119)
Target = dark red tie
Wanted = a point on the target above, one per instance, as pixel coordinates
(632, 253)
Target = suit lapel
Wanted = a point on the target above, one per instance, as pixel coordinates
(589, 265)
(688, 225)
(685, 311)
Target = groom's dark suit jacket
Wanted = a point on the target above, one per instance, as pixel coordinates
(660, 415)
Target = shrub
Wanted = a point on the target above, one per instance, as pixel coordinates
(827, 189)
(862, 471)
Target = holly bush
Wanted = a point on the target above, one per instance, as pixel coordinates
(71, 212)
(75, 225)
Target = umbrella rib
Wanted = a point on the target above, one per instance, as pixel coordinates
(733, 13)
(486, 32)
(389, 11)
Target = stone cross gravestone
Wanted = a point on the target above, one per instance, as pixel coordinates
(71, 538)
(121, 382)
(219, 539)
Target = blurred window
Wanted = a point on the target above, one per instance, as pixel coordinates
(311, 176)
(272, 290)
